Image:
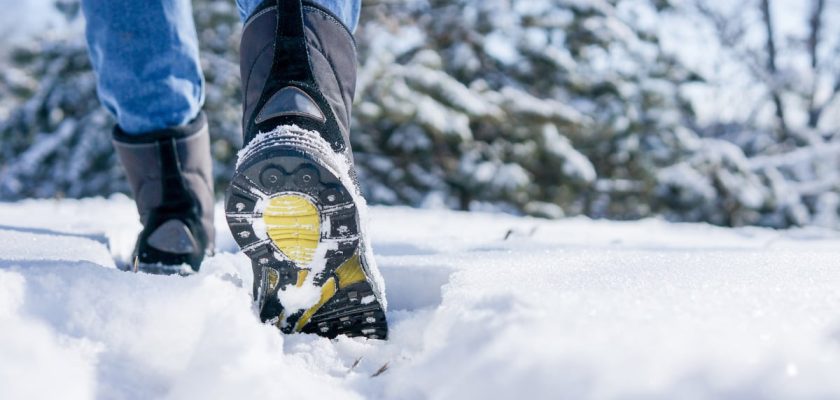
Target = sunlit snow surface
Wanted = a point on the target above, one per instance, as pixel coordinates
(565, 309)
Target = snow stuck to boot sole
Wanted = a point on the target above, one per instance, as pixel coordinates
(291, 212)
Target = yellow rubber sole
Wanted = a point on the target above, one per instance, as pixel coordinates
(347, 274)
(293, 225)
(289, 212)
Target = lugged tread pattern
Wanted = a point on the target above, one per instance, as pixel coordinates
(291, 181)
(347, 313)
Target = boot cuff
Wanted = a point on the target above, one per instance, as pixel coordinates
(178, 132)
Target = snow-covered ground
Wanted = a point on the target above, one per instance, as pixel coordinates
(481, 306)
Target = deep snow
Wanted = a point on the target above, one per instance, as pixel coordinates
(566, 309)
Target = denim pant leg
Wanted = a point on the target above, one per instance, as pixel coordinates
(145, 54)
(346, 10)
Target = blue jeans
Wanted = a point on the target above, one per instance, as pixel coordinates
(145, 55)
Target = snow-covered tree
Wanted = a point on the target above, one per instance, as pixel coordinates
(546, 106)
(773, 161)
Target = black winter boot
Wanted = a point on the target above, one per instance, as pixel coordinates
(170, 174)
(294, 205)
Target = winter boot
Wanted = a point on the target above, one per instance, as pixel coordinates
(169, 172)
(293, 205)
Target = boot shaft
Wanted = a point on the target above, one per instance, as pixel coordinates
(170, 175)
(301, 71)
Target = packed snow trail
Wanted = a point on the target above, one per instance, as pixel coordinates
(481, 306)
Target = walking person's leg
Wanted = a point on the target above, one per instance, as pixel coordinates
(347, 11)
(293, 205)
(145, 55)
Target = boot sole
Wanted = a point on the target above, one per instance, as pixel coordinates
(298, 223)
(160, 269)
